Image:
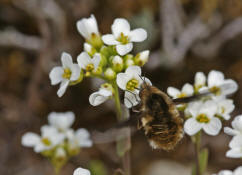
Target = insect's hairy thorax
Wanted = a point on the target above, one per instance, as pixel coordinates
(160, 118)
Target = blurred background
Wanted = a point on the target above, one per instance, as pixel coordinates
(184, 37)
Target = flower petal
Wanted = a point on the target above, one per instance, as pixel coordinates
(234, 153)
(209, 108)
(131, 99)
(200, 79)
(213, 127)
(187, 89)
(225, 172)
(236, 142)
(237, 123)
(215, 78)
(81, 171)
(96, 99)
(229, 87)
(109, 39)
(230, 131)
(191, 126)
(83, 60)
(56, 75)
(87, 26)
(66, 60)
(83, 137)
(105, 92)
(61, 120)
(30, 139)
(238, 171)
(133, 70)
(75, 72)
(120, 25)
(96, 60)
(138, 35)
(63, 86)
(122, 79)
(173, 92)
(124, 49)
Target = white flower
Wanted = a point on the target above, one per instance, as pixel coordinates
(79, 138)
(224, 107)
(64, 75)
(61, 120)
(123, 37)
(202, 118)
(103, 94)
(217, 83)
(237, 127)
(235, 147)
(187, 90)
(60, 153)
(81, 171)
(88, 63)
(130, 82)
(237, 171)
(49, 138)
(87, 27)
(200, 80)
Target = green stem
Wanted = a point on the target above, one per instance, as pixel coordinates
(120, 118)
(197, 151)
(117, 102)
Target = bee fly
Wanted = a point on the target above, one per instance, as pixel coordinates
(158, 116)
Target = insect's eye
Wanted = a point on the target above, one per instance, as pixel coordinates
(157, 101)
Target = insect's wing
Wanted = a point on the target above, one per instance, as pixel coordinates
(119, 131)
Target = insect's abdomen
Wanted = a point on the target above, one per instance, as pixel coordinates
(165, 133)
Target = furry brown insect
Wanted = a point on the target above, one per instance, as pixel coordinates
(159, 118)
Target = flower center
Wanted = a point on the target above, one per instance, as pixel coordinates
(89, 67)
(67, 73)
(202, 118)
(222, 110)
(132, 84)
(216, 90)
(181, 95)
(46, 141)
(123, 39)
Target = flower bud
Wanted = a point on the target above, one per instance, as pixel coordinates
(141, 58)
(89, 49)
(128, 61)
(117, 63)
(110, 74)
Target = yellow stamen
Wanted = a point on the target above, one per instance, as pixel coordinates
(89, 67)
(216, 90)
(202, 118)
(132, 84)
(46, 141)
(123, 39)
(181, 95)
(67, 73)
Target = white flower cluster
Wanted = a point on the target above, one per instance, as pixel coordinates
(103, 57)
(58, 141)
(237, 171)
(236, 142)
(207, 113)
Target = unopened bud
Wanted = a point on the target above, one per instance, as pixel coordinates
(117, 63)
(141, 58)
(110, 74)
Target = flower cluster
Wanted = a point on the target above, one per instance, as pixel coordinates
(237, 171)
(208, 112)
(105, 57)
(236, 142)
(58, 141)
